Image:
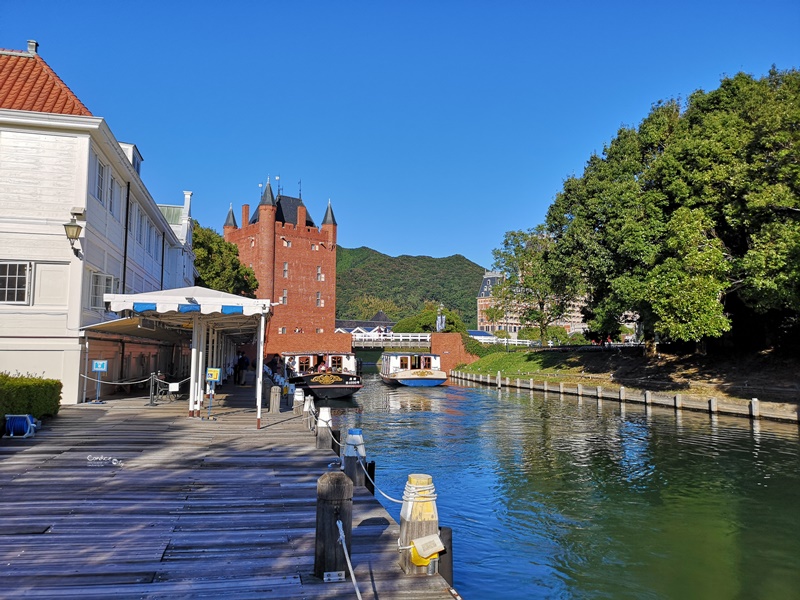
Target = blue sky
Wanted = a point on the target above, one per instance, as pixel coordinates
(433, 127)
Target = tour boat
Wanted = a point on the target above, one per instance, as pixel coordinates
(415, 369)
(322, 374)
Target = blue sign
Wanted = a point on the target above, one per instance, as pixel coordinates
(100, 366)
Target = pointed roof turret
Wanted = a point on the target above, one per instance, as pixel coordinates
(230, 221)
(267, 199)
(329, 219)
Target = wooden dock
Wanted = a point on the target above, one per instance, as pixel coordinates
(128, 500)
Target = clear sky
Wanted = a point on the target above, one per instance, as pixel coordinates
(432, 126)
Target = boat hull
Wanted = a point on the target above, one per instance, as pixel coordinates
(415, 378)
(328, 386)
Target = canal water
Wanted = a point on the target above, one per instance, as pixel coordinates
(550, 497)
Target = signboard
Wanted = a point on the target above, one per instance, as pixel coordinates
(100, 366)
(212, 374)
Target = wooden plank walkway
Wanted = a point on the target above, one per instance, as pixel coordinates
(128, 500)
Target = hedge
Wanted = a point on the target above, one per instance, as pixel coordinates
(28, 395)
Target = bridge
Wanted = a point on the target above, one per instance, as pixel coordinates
(391, 340)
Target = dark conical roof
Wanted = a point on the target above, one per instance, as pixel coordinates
(267, 199)
(329, 219)
(287, 211)
(230, 221)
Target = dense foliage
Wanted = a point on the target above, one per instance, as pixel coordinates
(368, 281)
(218, 265)
(689, 223)
(425, 322)
(29, 395)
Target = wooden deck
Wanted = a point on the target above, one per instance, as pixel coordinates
(128, 500)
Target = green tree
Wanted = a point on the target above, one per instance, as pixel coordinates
(494, 315)
(425, 322)
(367, 306)
(218, 265)
(535, 285)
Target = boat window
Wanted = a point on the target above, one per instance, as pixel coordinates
(403, 362)
(336, 363)
(415, 362)
(426, 362)
(304, 364)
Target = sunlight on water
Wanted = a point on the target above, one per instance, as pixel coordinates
(555, 498)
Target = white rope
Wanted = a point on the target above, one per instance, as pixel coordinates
(374, 485)
(115, 382)
(343, 542)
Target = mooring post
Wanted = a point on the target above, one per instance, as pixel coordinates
(544, 386)
(712, 406)
(580, 390)
(354, 452)
(499, 380)
(678, 401)
(419, 542)
(299, 402)
(755, 409)
(622, 393)
(334, 503)
(599, 392)
(560, 388)
(324, 428)
(308, 410)
(370, 481)
(446, 556)
(648, 398)
(275, 399)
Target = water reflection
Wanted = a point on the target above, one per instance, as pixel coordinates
(556, 497)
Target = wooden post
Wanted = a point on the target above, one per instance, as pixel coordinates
(599, 392)
(418, 518)
(755, 410)
(370, 481)
(580, 390)
(499, 380)
(308, 410)
(560, 388)
(275, 400)
(518, 385)
(712, 405)
(622, 393)
(647, 397)
(530, 384)
(334, 503)
(354, 451)
(324, 428)
(678, 401)
(299, 401)
(446, 557)
(544, 386)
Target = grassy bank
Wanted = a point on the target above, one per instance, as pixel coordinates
(761, 375)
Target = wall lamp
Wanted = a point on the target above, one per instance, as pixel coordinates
(73, 231)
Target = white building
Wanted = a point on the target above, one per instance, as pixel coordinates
(59, 162)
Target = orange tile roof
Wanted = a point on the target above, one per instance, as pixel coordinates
(28, 83)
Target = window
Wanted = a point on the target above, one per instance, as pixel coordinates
(132, 219)
(285, 270)
(320, 330)
(314, 247)
(140, 227)
(304, 364)
(281, 330)
(320, 276)
(15, 280)
(100, 190)
(285, 297)
(112, 197)
(320, 301)
(287, 243)
(150, 236)
(101, 284)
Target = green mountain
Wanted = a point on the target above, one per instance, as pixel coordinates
(368, 281)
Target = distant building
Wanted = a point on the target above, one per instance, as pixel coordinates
(61, 164)
(572, 321)
(295, 265)
(379, 323)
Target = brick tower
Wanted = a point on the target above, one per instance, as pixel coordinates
(295, 264)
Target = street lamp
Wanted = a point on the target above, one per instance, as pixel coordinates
(73, 231)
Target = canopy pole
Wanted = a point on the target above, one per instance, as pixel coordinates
(201, 367)
(193, 366)
(260, 369)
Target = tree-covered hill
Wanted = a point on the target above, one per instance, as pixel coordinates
(368, 281)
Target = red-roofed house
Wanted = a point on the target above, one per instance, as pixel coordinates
(59, 163)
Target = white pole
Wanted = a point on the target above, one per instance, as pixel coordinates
(260, 369)
(193, 365)
(201, 367)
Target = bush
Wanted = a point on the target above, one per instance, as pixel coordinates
(28, 395)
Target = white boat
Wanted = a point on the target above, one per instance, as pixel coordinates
(325, 375)
(415, 369)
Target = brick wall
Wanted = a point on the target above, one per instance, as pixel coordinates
(450, 348)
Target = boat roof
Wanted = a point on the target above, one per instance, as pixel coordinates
(317, 353)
